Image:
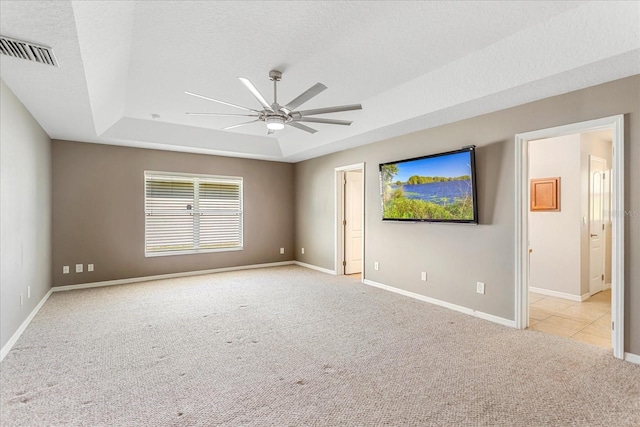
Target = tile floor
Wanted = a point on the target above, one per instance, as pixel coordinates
(588, 321)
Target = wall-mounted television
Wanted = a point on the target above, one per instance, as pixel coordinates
(435, 188)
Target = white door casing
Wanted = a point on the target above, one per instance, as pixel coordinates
(353, 222)
(597, 194)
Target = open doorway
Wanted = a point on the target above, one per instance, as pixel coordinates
(570, 236)
(350, 220)
(572, 254)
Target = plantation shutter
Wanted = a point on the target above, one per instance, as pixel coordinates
(220, 214)
(192, 213)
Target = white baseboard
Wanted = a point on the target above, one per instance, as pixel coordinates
(455, 307)
(633, 358)
(570, 297)
(166, 276)
(14, 338)
(607, 286)
(314, 267)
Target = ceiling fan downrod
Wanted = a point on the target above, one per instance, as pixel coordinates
(275, 76)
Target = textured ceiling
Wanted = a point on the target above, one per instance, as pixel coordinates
(412, 65)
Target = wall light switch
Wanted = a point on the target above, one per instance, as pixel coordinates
(78, 268)
(89, 267)
(65, 269)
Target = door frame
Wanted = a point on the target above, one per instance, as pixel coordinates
(339, 176)
(616, 124)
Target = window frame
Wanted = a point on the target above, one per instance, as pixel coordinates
(195, 178)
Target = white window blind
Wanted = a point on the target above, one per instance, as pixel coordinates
(192, 213)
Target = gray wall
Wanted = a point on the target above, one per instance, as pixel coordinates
(25, 213)
(98, 211)
(456, 256)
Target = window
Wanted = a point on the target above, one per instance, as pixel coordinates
(186, 214)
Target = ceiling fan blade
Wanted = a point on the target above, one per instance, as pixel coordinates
(302, 127)
(257, 94)
(330, 110)
(325, 121)
(222, 115)
(240, 124)
(222, 102)
(305, 96)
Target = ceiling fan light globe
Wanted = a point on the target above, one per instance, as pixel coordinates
(275, 123)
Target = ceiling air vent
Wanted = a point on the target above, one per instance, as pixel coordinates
(29, 51)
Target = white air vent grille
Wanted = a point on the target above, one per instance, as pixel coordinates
(29, 51)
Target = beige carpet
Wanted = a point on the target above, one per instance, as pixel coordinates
(289, 346)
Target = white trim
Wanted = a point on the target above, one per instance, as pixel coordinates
(633, 358)
(315, 267)
(337, 214)
(617, 237)
(455, 307)
(616, 123)
(570, 297)
(166, 276)
(607, 286)
(14, 338)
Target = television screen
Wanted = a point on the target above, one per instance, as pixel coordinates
(435, 188)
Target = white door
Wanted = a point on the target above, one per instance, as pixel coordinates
(597, 194)
(353, 222)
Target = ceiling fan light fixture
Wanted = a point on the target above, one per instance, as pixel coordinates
(275, 123)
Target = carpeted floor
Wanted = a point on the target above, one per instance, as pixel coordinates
(289, 346)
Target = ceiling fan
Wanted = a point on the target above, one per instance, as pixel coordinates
(276, 116)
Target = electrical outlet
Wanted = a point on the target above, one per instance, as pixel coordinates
(376, 266)
(281, 251)
(89, 267)
(480, 288)
(21, 299)
(423, 276)
(78, 268)
(302, 251)
(65, 269)
(28, 292)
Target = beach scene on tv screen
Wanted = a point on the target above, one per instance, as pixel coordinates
(437, 188)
